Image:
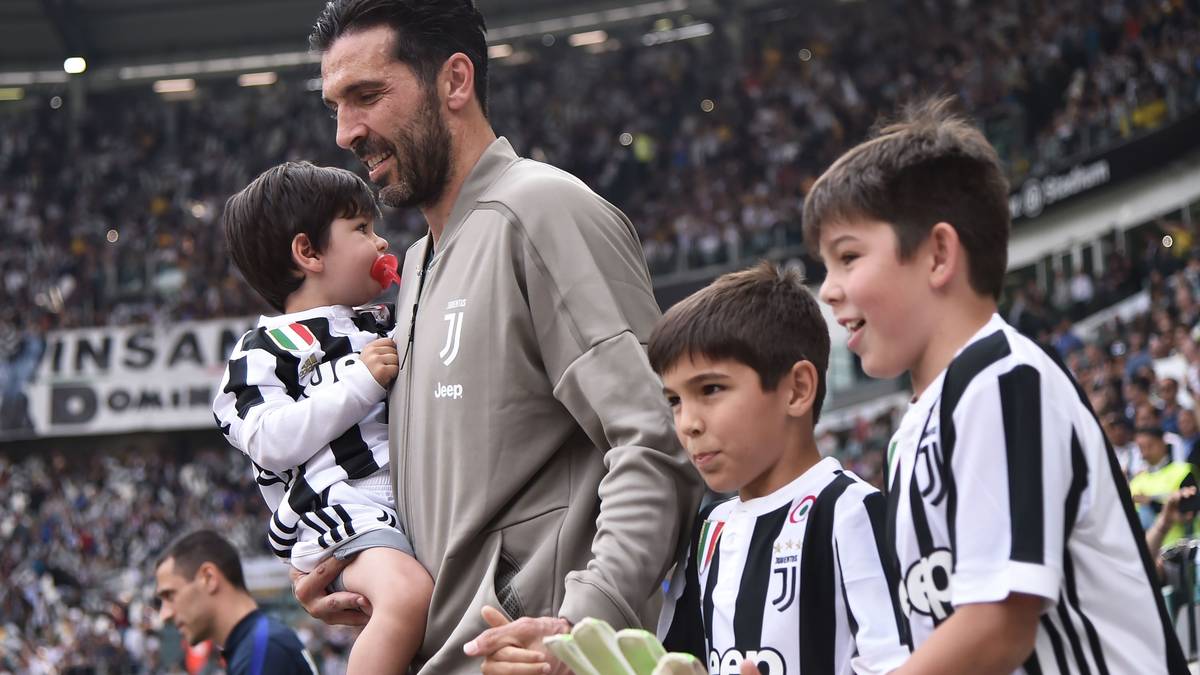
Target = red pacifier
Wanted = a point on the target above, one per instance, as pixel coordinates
(384, 270)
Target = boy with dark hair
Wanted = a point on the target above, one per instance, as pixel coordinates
(788, 574)
(303, 395)
(200, 588)
(1010, 526)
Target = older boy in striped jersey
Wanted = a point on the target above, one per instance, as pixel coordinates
(788, 575)
(1010, 526)
(303, 396)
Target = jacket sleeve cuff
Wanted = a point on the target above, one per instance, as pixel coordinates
(586, 598)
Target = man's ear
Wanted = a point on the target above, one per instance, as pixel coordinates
(458, 81)
(306, 256)
(946, 254)
(801, 382)
(210, 577)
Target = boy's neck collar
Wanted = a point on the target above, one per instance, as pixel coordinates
(948, 337)
(328, 311)
(786, 492)
(798, 463)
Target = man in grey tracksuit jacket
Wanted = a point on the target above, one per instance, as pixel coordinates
(532, 450)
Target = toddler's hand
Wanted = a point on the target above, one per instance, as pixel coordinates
(382, 359)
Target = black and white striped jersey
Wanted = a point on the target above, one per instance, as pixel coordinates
(300, 403)
(1000, 481)
(793, 580)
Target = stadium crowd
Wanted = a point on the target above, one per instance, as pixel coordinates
(709, 156)
(120, 229)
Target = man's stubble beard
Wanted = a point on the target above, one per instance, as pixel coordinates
(424, 157)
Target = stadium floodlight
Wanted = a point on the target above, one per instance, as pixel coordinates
(25, 78)
(519, 58)
(75, 65)
(502, 51)
(688, 32)
(219, 65)
(591, 37)
(257, 79)
(174, 86)
(587, 20)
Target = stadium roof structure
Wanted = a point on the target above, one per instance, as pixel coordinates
(38, 35)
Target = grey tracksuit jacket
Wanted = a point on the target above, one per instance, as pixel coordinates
(532, 450)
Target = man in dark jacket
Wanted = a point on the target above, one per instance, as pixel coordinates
(200, 587)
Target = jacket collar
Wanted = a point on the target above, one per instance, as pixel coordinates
(239, 633)
(491, 165)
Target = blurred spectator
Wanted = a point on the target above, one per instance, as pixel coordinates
(1120, 434)
(1060, 297)
(1137, 358)
(20, 350)
(1137, 397)
(1160, 478)
(1064, 339)
(1178, 511)
(1167, 391)
(1082, 293)
(1188, 429)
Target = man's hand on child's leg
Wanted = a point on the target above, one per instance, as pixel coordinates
(344, 608)
(515, 647)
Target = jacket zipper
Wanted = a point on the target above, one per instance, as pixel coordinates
(402, 456)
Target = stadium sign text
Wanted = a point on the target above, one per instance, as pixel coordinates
(120, 379)
(1147, 153)
(98, 352)
(1038, 193)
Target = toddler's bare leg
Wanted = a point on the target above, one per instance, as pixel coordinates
(398, 588)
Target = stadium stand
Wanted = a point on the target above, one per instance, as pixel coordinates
(107, 218)
(702, 187)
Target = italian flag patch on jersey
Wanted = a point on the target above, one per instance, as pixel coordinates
(709, 534)
(293, 337)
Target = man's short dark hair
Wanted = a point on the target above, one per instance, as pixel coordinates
(194, 549)
(261, 221)
(427, 33)
(929, 167)
(1154, 431)
(762, 317)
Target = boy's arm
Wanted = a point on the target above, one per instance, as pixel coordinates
(980, 638)
(269, 418)
(867, 581)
